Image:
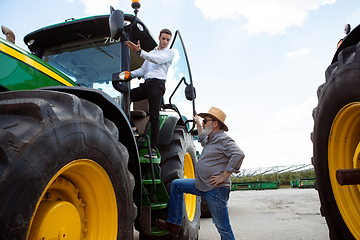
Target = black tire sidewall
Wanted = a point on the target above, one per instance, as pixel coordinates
(40, 159)
(172, 168)
(190, 229)
(205, 211)
(340, 90)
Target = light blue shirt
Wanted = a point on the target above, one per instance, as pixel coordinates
(156, 64)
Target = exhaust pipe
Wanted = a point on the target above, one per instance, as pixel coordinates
(10, 36)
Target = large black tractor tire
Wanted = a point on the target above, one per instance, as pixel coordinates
(63, 174)
(336, 144)
(178, 160)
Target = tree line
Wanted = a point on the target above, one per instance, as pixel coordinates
(283, 178)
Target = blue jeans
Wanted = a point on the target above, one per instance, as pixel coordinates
(217, 201)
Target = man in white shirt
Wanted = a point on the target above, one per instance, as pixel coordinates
(154, 70)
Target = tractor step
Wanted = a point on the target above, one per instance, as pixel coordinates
(156, 231)
(147, 160)
(157, 206)
(149, 181)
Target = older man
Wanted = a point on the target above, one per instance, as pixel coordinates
(220, 157)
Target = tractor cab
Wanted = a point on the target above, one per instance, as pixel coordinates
(85, 52)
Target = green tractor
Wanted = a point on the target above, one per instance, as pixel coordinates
(70, 165)
(336, 140)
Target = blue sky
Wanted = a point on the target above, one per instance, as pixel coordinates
(260, 61)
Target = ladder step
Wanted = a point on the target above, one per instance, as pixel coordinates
(146, 160)
(149, 181)
(157, 206)
(156, 231)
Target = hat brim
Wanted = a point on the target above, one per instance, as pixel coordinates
(212, 116)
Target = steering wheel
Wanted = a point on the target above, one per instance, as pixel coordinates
(85, 71)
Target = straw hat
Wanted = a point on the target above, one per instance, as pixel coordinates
(217, 114)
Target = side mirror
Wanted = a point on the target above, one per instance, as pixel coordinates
(190, 95)
(10, 36)
(116, 23)
(347, 29)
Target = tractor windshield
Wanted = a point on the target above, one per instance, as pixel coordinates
(179, 80)
(89, 62)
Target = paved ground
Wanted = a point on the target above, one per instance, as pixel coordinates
(272, 214)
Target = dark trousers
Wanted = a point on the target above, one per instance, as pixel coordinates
(152, 90)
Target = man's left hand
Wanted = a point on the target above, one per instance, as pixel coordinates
(217, 179)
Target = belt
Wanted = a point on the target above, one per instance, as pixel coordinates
(154, 79)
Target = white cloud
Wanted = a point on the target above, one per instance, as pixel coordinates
(328, 2)
(293, 54)
(270, 16)
(293, 116)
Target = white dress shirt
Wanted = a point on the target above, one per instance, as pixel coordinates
(156, 64)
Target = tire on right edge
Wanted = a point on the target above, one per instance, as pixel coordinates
(336, 143)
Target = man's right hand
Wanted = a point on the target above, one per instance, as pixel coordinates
(133, 47)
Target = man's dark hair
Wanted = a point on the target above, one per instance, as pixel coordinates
(165, 30)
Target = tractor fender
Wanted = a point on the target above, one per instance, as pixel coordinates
(113, 112)
(167, 129)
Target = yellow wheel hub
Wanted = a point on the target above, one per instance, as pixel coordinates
(190, 199)
(344, 153)
(57, 220)
(78, 203)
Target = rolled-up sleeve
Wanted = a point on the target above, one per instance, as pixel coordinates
(202, 139)
(235, 155)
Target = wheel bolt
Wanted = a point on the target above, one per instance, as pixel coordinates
(48, 195)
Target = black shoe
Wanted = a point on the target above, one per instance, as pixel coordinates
(153, 154)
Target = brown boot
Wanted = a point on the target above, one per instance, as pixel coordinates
(173, 229)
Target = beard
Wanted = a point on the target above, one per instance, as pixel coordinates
(207, 130)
